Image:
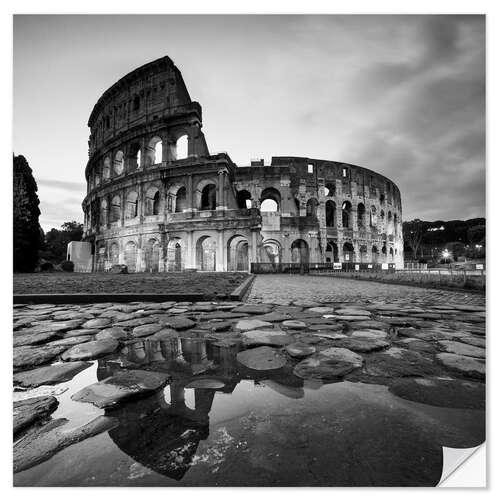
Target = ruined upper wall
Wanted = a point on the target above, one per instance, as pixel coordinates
(150, 93)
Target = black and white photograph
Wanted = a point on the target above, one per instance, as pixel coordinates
(248, 250)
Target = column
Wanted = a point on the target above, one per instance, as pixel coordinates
(189, 193)
(219, 265)
(221, 202)
(190, 262)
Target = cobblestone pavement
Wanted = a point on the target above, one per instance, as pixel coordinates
(279, 288)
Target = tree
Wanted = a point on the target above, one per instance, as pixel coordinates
(56, 241)
(27, 230)
(413, 232)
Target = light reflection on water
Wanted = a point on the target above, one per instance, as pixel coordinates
(267, 428)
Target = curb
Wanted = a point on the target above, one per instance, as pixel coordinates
(240, 292)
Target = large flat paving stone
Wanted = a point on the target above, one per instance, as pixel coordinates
(90, 350)
(465, 365)
(29, 411)
(34, 338)
(253, 309)
(113, 333)
(462, 349)
(363, 344)
(262, 358)
(25, 357)
(121, 387)
(330, 367)
(252, 324)
(49, 375)
(441, 392)
(300, 350)
(275, 338)
(43, 443)
(146, 330)
(178, 323)
(97, 323)
(70, 341)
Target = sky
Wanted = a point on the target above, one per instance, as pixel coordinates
(401, 95)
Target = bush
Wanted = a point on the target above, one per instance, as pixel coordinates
(67, 266)
(47, 266)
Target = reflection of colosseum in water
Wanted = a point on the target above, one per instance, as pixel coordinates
(157, 200)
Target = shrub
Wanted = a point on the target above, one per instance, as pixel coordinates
(47, 266)
(67, 266)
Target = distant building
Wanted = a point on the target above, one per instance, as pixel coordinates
(157, 200)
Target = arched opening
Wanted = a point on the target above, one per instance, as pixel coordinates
(270, 200)
(101, 259)
(181, 147)
(206, 253)
(361, 216)
(104, 212)
(134, 158)
(373, 217)
(395, 224)
(118, 163)
(175, 255)
(330, 210)
(106, 169)
(132, 207)
(237, 254)
(382, 216)
(131, 256)
(363, 253)
(115, 209)
(97, 179)
(329, 189)
(374, 254)
(270, 252)
(297, 205)
(244, 199)
(154, 151)
(332, 252)
(391, 253)
(181, 200)
(346, 214)
(348, 251)
(113, 254)
(152, 256)
(152, 201)
(312, 207)
(384, 251)
(208, 198)
(300, 252)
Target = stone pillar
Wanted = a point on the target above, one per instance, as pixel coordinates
(122, 207)
(287, 201)
(221, 198)
(220, 254)
(190, 261)
(140, 207)
(142, 165)
(189, 193)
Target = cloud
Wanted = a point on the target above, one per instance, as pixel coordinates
(65, 185)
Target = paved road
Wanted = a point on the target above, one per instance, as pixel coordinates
(281, 288)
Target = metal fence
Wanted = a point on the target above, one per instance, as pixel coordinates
(318, 267)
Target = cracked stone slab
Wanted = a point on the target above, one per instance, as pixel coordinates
(465, 365)
(252, 324)
(262, 358)
(29, 411)
(49, 375)
(25, 357)
(276, 338)
(90, 350)
(462, 349)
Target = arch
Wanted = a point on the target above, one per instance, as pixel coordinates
(361, 215)
(346, 214)
(244, 199)
(363, 253)
(101, 259)
(97, 179)
(274, 197)
(208, 197)
(332, 252)
(119, 162)
(104, 211)
(391, 253)
(389, 216)
(132, 205)
(300, 252)
(384, 250)
(297, 205)
(115, 211)
(175, 255)
(152, 255)
(113, 254)
(348, 251)
(181, 147)
(206, 253)
(152, 201)
(181, 199)
(106, 169)
(329, 189)
(330, 212)
(131, 256)
(382, 215)
(374, 254)
(154, 151)
(395, 224)
(237, 253)
(312, 207)
(270, 252)
(134, 157)
(373, 216)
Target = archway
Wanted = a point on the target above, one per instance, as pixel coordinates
(329, 189)
(113, 254)
(300, 252)
(131, 256)
(106, 170)
(131, 209)
(175, 255)
(270, 200)
(363, 253)
(332, 252)
(348, 251)
(237, 254)
(374, 254)
(361, 216)
(118, 163)
(208, 199)
(270, 252)
(181, 147)
(152, 256)
(244, 199)
(311, 207)
(181, 200)
(115, 209)
(152, 201)
(104, 212)
(330, 210)
(206, 253)
(346, 214)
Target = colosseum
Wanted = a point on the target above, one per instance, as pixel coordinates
(158, 201)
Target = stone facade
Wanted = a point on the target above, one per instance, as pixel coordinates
(158, 201)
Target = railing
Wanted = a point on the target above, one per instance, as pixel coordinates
(204, 214)
(317, 267)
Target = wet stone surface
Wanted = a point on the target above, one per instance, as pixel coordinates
(166, 394)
